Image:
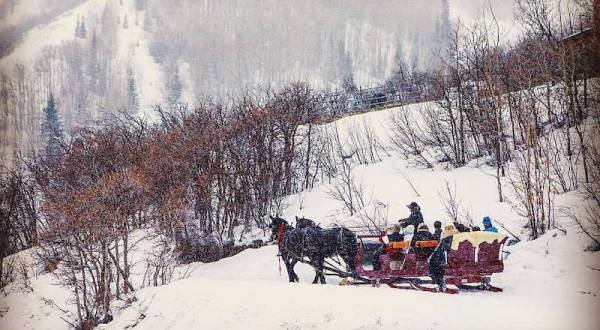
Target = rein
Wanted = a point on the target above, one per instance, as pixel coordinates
(278, 238)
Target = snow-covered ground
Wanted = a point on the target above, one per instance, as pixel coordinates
(549, 283)
(247, 292)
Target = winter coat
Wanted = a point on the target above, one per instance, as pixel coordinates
(438, 258)
(437, 233)
(461, 228)
(487, 225)
(395, 237)
(414, 219)
(437, 261)
(421, 235)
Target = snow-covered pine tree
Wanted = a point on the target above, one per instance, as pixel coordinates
(147, 21)
(125, 23)
(93, 63)
(77, 27)
(344, 62)
(441, 36)
(174, 95)
(133, 100)
(51, 129)
(82, 29)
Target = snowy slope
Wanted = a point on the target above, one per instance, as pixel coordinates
(22, 10)
(51, 34)
(133, 51)
(549, 283)
(131, 48)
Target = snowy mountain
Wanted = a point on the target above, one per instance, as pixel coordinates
(103, 56)
(249, 42)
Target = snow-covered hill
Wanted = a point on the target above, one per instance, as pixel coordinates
(549, 283)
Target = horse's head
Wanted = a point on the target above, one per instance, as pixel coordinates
(276, 223)
(304, 222)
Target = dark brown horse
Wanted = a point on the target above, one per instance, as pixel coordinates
(313, 243)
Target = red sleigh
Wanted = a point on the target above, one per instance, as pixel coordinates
(470, 263)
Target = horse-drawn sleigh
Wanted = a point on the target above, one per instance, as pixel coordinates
(470, 257)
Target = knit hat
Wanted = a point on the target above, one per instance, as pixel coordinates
(422, 227)
(487, 221)
(413, 205)
(448, 230)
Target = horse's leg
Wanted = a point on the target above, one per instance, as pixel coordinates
(317, 262)
(290, 270)
(320, 263)
(316, 276)
(349, 261)
(314, 264)
(288, 266)
(294, 276)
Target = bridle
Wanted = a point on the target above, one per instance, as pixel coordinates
(279, 234)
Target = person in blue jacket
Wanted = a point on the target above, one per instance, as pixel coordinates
(487, 225)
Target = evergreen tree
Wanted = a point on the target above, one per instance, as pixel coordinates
(175, 86)
(77, 27)
(349, 86)
(400, 72)
(94, 43)
(343, 63)
(51, 129)
(125, 24)
(133, 101)
(147, 21)
(93, 65)
(82, 29)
